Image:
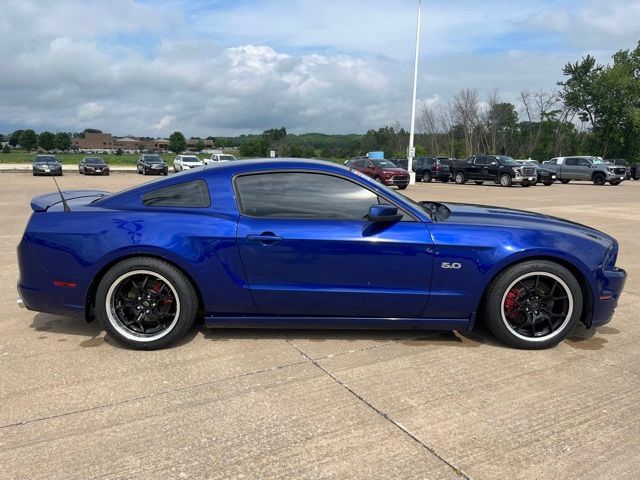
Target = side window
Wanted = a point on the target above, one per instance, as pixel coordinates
(553, 161)
(481, 161)
(571, 162)
(358, 163)
(584, 162)
(303, 195)
(193, 194)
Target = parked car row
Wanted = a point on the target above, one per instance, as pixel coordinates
(147, 164)
(506, 171)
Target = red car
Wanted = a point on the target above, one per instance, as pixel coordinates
(383, 171)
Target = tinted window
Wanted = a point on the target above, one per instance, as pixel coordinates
(553, 161)
(584, 162)
(303, 195)
(192, 194)
(481, 161)
(93, 161)
(358, 163)
(571, 161)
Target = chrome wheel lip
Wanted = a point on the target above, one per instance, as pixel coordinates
(558, 330)
(117, 324)
(504, 180)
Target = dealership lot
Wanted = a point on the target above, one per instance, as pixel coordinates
(232, 403)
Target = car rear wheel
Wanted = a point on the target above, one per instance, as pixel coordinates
(426, 177)
(402, 187)
(598, 179)
(564, 182)
(533, 305)
(478, 182)
(460, 178)
(506, 180)
(145, 303)
(546, 184)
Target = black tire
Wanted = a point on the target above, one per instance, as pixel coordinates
(546, 184)
(525, 184)
(180, 290)
(505, 180)
(614, 182)
(402, 187)
(460, 178)
(598, 179)
(479, 182)
(564, 182)
(165, 173)
(445, 180)
(377, 179)
(497, 312)
(426, 177)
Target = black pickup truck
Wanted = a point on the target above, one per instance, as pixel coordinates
(502, 170)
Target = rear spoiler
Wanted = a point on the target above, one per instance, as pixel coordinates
(41, 203)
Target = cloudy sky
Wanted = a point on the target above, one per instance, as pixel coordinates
(230, 67)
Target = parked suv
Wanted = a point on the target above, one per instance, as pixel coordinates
(383, 171)
(186, 162)
(586, 168)
(151, 164)
(494, 168)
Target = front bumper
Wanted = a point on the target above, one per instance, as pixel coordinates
(396, 181)
(520, 179)
(610, 289)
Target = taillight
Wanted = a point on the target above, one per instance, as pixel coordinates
(437, 167)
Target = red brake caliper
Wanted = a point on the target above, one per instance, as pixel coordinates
(167, 299)
(511, 304)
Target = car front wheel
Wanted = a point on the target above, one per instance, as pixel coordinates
(533, 305)
(460, 178)
(598, 179)
(564, 182)
(145, 303)
(506, 180)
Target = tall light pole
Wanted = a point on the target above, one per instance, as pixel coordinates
(411, 151)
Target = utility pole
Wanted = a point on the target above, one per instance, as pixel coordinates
(411, 151)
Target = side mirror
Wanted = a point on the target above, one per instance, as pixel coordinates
(384, 213)
(493, 164)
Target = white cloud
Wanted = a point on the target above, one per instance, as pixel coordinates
(142, 69)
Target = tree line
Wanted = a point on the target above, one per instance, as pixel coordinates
(595, 110)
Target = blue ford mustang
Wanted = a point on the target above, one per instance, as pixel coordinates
(303, 243)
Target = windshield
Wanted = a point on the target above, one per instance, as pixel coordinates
(507, 160)
(229, 158)
(152, 159)
(93, 161)
(190, 159)
(46, 160)
(384, 163)
(597, 161)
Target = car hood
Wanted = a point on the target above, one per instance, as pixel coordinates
(507, 217)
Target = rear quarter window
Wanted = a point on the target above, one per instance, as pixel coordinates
(193, 194)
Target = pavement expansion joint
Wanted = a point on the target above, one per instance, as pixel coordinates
(384, 415)
(151, 395)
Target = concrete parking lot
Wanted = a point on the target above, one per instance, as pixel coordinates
(319, 404)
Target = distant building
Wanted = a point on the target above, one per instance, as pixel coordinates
(93, 141)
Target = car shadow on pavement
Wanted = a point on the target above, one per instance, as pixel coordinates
(414, 338)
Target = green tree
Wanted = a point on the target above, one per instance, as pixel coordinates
(47, 141)
(14, 138)
(608, 99)
(177, 142)
(29, 140)
(200, 145)
(63, 141)
(254, 147)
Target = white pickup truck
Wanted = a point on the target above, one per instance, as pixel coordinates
(220, 157)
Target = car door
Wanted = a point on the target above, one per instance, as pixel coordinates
(570, 169)
(585, 169)
(491, 170)
(307, 249)
(475, 171)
